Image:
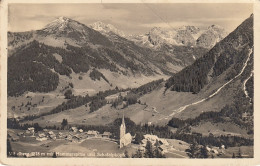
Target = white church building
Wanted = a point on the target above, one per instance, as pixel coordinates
(125, 138)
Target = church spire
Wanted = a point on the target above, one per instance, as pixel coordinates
(122, 131)
(123, 119)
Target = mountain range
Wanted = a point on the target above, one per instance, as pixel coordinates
(183, 36)
(68, 48)
(219, 78)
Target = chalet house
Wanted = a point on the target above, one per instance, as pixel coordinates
(68, 137)
(245, 116)
(60, 135)
(29, 131)
(92, 133)
(41, 135)
(141, 148)
(164, 145)
(80, 130)
(111, 98)
(52, 135)
(41, 139)
(15, 138)
(106, 134)
(20, 133)
(75, 138)
(74, 129)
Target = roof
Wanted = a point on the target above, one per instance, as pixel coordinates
(106, 133)
(74, 128)
(41, 134)
(245, 114)
(76, 136)
(92, 132)
(51, 132)
(80, 130)
(15, 138)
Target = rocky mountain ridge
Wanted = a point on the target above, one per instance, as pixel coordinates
(183, 36)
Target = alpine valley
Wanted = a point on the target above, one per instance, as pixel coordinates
(190, 84)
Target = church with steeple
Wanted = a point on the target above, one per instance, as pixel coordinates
(125, 138)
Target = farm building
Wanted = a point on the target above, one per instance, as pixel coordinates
(92, 133)
(106, 134)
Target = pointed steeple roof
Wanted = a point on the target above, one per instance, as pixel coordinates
(123, 119)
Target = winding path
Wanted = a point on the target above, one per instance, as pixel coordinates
(245, 91)
(215, 93)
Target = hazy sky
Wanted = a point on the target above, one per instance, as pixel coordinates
(136, 18)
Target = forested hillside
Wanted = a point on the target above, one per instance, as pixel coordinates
(230, 52)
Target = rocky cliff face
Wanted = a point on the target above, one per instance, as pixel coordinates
(106, 28)
(211, 36)
(183, 36)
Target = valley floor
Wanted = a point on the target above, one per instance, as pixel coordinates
(29, 146)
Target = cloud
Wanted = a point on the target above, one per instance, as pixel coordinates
(131, 18)
(171, 25)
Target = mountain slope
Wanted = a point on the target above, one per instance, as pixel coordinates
(68, 50)
(211, 36)
(218, 81)
(165, 53)
(60, 32)
(229, 53)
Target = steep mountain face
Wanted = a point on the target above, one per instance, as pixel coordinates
(157, 36)
(183, 36)
(211, 36)
(65, 50)
(229, 54)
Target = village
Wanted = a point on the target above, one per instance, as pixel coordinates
(76, 136)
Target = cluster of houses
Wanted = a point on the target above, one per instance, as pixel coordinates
(73, 135)
(216, 150)
(164, 146)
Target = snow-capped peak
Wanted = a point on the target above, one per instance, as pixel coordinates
(62, 24)
(58, 23)
(63, 19)
(106, 28)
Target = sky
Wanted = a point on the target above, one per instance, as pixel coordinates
(137, 18)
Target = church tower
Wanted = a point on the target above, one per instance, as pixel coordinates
(122, 132)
